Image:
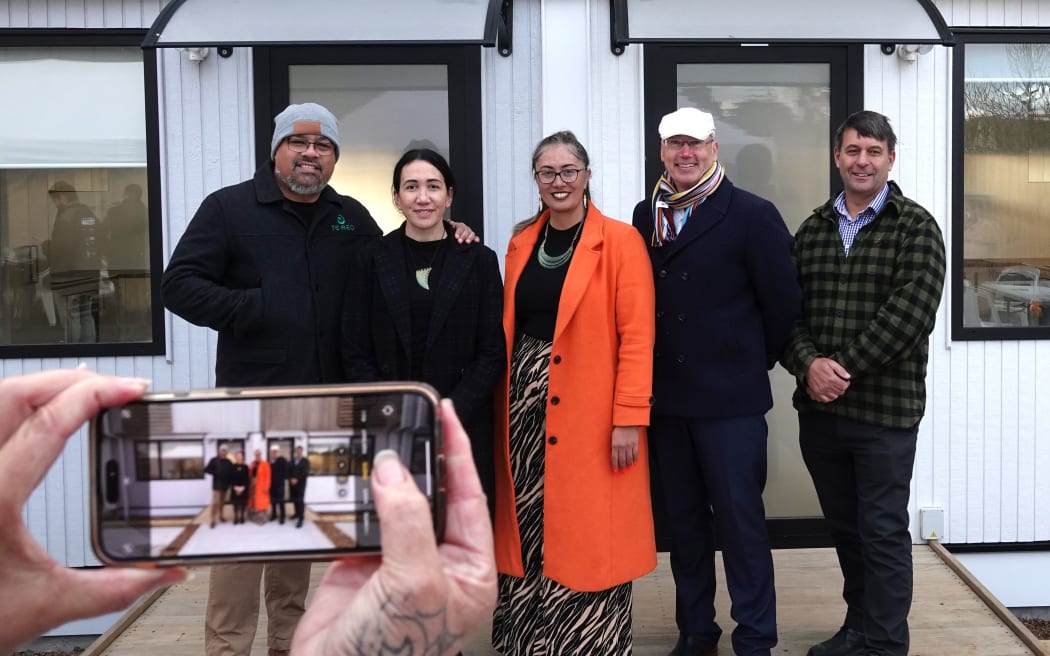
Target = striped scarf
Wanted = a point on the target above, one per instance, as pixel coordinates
(666, 199)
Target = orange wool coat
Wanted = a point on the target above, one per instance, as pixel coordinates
(598, 525)
(261, 492)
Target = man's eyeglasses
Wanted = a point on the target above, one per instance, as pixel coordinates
(678, 144)
(546, 176)
(300, 145)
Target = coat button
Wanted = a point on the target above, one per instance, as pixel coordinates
(552, 440)
(680, 359)
(663, 273)
(685, 276)
(659, 314)
(555, 400)
(557, 359)
(652, 400)
(681, 316)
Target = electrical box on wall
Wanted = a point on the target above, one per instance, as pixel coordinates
(931, 523)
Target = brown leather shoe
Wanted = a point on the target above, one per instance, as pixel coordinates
(277, 652)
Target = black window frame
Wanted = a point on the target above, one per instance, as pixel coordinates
(116, 38)
(847, 96)
(156, 453)
(463, 63)
(964, 37)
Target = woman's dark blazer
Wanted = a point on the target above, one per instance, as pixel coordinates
(465, 349)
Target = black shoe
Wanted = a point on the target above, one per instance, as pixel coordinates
(846, 642)
(282, 520)
(691, 646)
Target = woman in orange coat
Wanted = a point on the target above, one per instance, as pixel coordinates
(573, 517)
(261, 482)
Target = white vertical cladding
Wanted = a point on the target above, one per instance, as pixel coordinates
(597, 95)
(566, 63)
(206, 142)
(511, 126)
(61, 14)
(980, 454)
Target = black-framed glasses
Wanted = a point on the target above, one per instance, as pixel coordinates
(678, 144)
(546, 176)
(301, 144)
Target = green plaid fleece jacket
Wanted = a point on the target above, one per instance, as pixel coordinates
(871, 312)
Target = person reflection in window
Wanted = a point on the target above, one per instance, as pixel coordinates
(126, 249)
(74, 261)
(127, 228)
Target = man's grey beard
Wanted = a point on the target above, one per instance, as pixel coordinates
(305, 190)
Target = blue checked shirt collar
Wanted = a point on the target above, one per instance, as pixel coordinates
(850, 226)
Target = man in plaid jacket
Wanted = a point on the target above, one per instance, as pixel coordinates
(871, 263)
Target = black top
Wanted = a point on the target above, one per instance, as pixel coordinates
(239, 475)
(539, 289)
(420, 255)
(221, 471)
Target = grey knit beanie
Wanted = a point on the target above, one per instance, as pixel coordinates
(307, 118)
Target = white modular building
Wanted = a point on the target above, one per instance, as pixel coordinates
(137, 109)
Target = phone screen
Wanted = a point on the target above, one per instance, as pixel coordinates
(202, 477)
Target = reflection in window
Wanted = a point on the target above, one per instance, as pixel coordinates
(169, 460)
(340, 456)
(74, 242)
(362, 450)
(772, 123)
(421, 454)
(1006, 168)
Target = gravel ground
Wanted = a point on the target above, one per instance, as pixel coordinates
(1041, 628)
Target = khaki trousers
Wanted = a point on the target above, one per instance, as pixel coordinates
(218, 497)
(233, 605)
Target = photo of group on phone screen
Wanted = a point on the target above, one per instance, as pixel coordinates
(213, 478)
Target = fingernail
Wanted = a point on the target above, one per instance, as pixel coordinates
(447, 403)
(141, 383)
(387, 468)
(82, 365)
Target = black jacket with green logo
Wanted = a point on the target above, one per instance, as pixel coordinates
(270, 282)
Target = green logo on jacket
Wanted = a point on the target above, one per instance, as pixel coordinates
(341, 224)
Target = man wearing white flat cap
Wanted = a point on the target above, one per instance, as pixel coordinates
(727, 296)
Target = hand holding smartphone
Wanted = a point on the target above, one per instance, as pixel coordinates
(165, 467)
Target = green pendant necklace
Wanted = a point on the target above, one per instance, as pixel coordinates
(548, 262)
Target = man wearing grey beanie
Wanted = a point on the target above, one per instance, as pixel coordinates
(264, 263)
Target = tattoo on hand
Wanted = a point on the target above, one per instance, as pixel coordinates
(406, 633)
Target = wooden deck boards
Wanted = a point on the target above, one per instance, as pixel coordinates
(947, 618)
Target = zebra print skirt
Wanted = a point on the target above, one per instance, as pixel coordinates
(537, 616)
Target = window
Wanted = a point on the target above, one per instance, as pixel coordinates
(1002, 178)
(421, 455)
(169, 460)
(75, 272)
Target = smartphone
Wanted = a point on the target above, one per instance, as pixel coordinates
(163, 495)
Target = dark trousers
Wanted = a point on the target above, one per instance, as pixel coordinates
(277, 505)
(298, 492)
(712, 472)
(862, 474)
